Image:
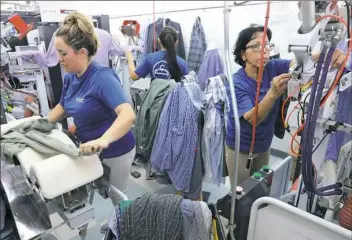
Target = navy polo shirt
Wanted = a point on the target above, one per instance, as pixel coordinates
(91, 100)
(245, 88)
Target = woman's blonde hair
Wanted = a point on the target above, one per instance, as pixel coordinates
(78, 32)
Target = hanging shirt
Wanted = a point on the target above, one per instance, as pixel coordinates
(198, 46)
(156, 66)
(245, 88)
(91, 100)
(107, 47)
(213, 134)
(174, 148)
(152, 38)
(211, 66)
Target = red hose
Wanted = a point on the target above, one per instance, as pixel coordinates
(260, 76)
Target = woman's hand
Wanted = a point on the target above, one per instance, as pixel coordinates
(91, 147)
(337, 58)
(279, 85)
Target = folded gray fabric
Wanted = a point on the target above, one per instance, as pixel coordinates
(35, 134)
(152, 217)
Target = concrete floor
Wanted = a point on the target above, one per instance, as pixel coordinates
(137, 187)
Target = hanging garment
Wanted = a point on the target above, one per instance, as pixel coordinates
(198, 45)
(34, 134)
(211, 66)
(176, 138)
(148, 116)
(180, 48)
(152, 217)
(195, 188)
(213, 133)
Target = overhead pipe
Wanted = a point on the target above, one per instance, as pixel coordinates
(227, 10)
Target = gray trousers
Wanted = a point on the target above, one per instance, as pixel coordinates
(120, 171)
(259, 160)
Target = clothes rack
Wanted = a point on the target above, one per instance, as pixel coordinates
(244, 4)
(227, 10)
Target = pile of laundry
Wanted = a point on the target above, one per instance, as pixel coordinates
(37, 134)
(161, 216)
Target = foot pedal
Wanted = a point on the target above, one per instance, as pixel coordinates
(136, 174)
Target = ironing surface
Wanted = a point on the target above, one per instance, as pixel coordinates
(49, 170)
(60, 174)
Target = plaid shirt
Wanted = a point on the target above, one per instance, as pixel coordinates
(177, 134)
(213, 134)
(198, 46)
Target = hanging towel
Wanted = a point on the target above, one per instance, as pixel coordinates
(198, 45)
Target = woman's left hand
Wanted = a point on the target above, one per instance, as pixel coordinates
(94, 146)
(337, 58)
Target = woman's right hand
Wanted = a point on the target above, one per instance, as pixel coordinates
(279, 85)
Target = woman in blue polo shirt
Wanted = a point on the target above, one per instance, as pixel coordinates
(274, 84)
(93, 96)
(164, 64)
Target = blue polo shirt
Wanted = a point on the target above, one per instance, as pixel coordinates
(245, 88)
(155, 65)
(91, 100)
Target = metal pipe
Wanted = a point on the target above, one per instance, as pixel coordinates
(342, 232)
(308, 15)
(193, 9)
(235, 112)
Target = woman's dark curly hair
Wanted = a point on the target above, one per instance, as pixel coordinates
(244, 37)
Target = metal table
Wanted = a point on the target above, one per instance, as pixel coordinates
(29, 210)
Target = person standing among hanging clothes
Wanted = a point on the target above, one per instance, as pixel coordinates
(274, 83)
(155, 29)
(164, 64)
(93, 95)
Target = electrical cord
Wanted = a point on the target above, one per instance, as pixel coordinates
(320, 142)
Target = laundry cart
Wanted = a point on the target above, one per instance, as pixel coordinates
(216, 229)
(109, 234)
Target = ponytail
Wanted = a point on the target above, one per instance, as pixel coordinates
(168, 38)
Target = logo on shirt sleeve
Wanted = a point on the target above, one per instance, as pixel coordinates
(160, 70)
(79, 100)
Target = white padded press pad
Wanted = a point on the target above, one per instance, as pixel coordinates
(29, 157)
(60, 174)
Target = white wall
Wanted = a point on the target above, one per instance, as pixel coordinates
(283, 22)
